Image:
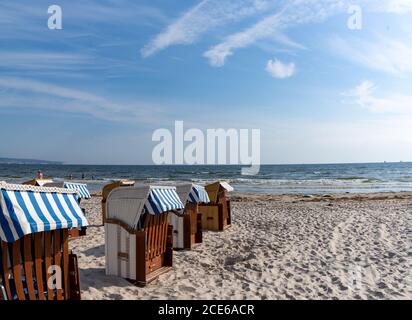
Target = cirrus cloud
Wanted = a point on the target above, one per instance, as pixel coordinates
(206, 15)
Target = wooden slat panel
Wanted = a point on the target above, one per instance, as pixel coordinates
(65, 244)
(164, 232)
(152, 250)
(38, 264)
(6, 270)
(154, 231)
(140, 257)
(168, 256)
(193, 222)
(163, 229)
(148, 235)
(75, 293)
(57, 261)
(17, 267)
(190, 230)
(28, 266)
(150, 245)
(229, 212)
(199, 230)
(47, 262)
(161, 235)
(157, 235)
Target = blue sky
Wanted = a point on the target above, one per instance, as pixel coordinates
(95, 91)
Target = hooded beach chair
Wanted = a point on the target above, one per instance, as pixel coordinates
(108, 188)
(35, 263)
(216, 215)
(187, 224)
(139, 241)
(83, 193)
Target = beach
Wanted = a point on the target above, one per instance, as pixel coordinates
(344, 246)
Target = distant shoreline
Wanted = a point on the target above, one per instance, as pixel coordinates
(28, 161)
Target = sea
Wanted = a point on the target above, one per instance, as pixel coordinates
(275, 179)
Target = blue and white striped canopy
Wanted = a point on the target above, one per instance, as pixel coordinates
(162, 199)
(198, 194)
(80, 187)
(25, 210)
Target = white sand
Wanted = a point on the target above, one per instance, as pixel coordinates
(280, 247)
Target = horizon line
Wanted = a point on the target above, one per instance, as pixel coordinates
(217, 165)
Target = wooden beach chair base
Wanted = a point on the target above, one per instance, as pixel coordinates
(39, 267)
(187, 228)
(151, 276)
(216, 217)
(140, 256)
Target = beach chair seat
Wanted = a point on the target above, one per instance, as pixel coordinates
(217, 215)
(139, 241)
(35, 262)
(187, 225)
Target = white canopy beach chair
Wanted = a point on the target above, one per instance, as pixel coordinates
(139, 242)
(34, 224)
(187, 225)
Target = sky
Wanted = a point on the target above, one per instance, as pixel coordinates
(94, 91)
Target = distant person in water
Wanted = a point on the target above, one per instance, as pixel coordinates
(82, 176)
(71, 177)
(39, 175)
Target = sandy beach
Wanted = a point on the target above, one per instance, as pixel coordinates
(279, 247)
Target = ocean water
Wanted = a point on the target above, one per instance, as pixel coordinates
(276, 179)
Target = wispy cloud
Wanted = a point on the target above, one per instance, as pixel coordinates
(394, 6)
(206, 15)
(41, 60)
(293, 13)
(24, 93)
(365, 96)
(280, 70)
(217, 55)
(24, 12)
(382, 53)
(61, 64)
(283, 15)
